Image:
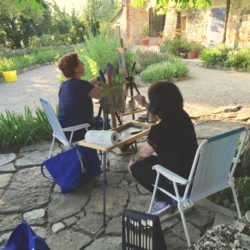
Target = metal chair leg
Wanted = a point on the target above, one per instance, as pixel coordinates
(184, 225)
(236, 202)
(154, 192)
(51, 147)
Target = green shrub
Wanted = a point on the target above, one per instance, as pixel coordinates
(225, 197)
(171, 46)
(19, 130)
(100, 50)
(164, 71)
(174, 46)
(239, 59)
(216, 56)
(146, 58)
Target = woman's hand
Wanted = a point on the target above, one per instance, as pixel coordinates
(131, 163)
(141, 100)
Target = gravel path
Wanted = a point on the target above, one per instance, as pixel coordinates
(203, 88)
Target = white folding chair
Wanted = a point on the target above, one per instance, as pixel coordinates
(212, 171)
(58, 131)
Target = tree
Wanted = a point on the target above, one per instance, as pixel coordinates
(179, 5)
(98, 12)
(78, 30)
(19, 19)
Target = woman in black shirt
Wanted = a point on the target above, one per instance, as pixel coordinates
(173, 140)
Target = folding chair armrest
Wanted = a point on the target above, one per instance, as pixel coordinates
(77, 127)
(170, 175)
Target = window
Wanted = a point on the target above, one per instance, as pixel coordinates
(156, 23)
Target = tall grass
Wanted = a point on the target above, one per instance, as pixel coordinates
(164, 71)
(19, 130)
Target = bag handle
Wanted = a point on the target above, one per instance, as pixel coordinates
(44, 175)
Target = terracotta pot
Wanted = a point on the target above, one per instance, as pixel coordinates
(192, 54)
(145, 41)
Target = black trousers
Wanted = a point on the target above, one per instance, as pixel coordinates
(145, 175)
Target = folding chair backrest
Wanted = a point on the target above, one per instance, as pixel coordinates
(141, 231)
(215, 164)
(54, 123)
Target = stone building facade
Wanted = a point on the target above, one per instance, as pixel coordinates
(129, 22)
(222, 22)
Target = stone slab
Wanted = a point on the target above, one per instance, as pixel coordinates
(41, 231)
(116, 200)
(70, 221)
(119, 163)
(35, 216)
(57, 227)
(28, 190)
(200, 217)
(63, 206)
(90, 223)
(9, 222)
(68, 239)
(6, 158)
(169, 223)
(173, 242)
(106, 243)
(114, 226)
(221, 219)
(139, 202)
(31, 159)
(194, 232)
(8, 168)
(113, 179)
(5, 180)
(206, 129)
(40, 146)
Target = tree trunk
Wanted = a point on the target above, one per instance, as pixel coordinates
(228, 6)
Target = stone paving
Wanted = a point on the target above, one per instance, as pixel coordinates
(74, 221)
(216, 100)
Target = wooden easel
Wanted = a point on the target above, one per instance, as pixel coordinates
(109, 83)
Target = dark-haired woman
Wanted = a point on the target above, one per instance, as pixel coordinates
(75, 95)
(173, 140)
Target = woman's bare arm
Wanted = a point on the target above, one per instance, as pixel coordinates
(95, 93)
(145, 151)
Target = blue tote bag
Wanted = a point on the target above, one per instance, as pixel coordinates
(72, 167)
(24, 238)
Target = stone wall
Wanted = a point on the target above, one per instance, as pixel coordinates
(238, 32)
(199, 22)
(196, 26)
(119, 23)
(131, 21)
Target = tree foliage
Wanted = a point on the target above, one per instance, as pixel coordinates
(19, 19)
(36, 23)
(179, 5)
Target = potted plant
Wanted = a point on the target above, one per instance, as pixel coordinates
(193, 50)
(145, 34)
(9, 76)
